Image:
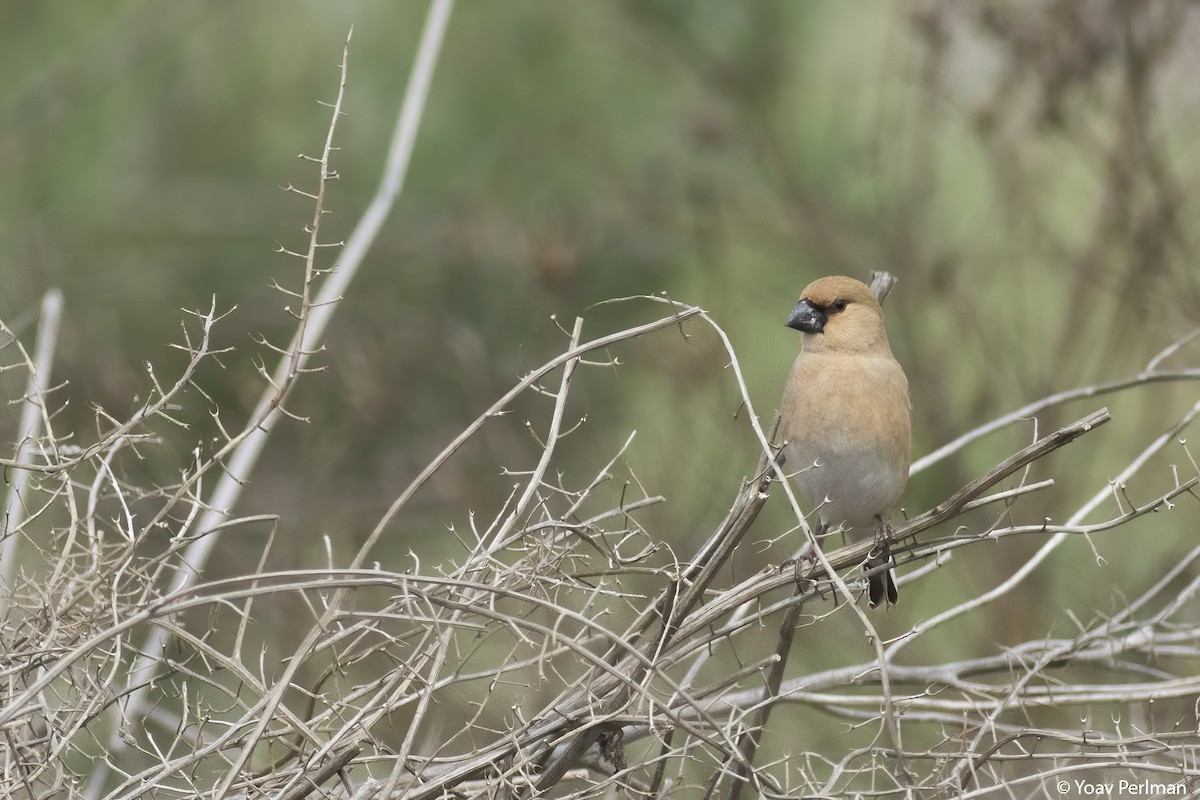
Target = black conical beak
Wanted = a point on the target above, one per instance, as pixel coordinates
(807, 318)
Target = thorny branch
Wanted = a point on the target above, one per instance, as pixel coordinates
(566, 649)
(554, 594)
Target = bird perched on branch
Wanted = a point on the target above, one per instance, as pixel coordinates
(846, 418)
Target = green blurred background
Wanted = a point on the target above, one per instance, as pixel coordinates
(1026, 169)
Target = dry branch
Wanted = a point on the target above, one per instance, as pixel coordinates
(565, 650)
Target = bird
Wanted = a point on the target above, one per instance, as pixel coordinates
(846, 419)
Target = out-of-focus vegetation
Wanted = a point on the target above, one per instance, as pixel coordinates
(1026, 169)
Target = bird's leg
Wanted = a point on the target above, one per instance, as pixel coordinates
(883, 541)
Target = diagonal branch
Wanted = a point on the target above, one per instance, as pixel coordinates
(852, 555)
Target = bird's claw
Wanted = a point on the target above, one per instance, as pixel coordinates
(882, 551)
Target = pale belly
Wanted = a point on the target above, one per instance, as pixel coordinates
(850, 486)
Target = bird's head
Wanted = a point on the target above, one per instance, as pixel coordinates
(839, 313)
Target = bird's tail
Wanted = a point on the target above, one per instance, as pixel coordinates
(881, 585)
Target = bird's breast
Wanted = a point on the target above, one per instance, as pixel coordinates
(848, 426)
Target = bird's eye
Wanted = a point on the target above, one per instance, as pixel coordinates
(839, 305)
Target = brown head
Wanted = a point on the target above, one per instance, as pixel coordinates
(839, 314)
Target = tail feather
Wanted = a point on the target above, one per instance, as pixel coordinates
(881, 586)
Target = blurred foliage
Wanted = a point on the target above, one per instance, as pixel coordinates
(1023, 167)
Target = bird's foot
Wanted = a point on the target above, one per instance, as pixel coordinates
(882, 551)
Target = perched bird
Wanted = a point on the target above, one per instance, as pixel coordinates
(846, 418)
